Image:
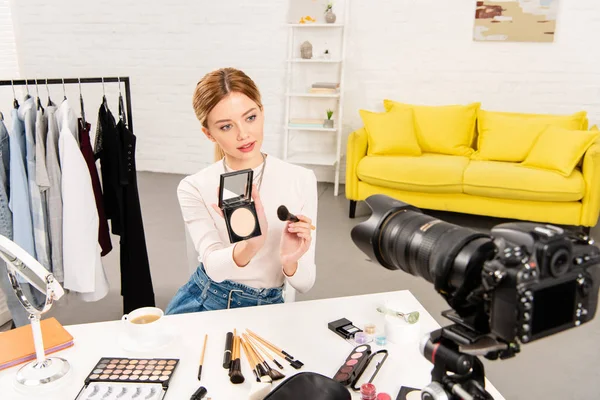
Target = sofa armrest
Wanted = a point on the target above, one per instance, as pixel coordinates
(356, 151)
(590, 207)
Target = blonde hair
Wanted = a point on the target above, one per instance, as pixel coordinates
(215, 86)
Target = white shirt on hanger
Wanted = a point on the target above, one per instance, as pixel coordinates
(83, 268)
(282, 184)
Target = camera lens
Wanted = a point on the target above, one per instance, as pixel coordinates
(559, 262)
(410, 239)
(400, 236)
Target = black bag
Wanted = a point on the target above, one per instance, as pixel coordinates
(308, 385)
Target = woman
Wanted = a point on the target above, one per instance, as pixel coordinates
(250, 272)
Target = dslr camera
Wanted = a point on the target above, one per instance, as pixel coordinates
(522, 282)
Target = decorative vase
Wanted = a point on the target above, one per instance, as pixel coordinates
(330, 17)
(328, 123)
(306, 50)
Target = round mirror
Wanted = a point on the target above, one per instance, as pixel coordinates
(36, 289)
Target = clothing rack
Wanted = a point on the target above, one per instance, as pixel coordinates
(70, 81)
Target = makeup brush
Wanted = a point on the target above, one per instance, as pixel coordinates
(265, 352)
(236, 370)
(261, 373)
(285, 215)
(274, 374)
(202, 357)
(250, 360)
(259, 389)
(297, 364)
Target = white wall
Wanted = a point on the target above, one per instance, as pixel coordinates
(8, 69)
(410, 50)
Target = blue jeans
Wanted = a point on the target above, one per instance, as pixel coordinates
(203, 294)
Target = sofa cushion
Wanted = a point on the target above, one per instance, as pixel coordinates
(430, 173)
(443, 129)
(391, 133)
(510, 136)
(559, 149)
(514, 181)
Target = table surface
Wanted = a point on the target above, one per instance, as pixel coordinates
(299, 328)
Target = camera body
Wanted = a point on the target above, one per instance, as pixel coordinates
(521, 282)
(540, 281)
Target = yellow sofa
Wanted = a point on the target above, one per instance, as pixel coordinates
(466, 184)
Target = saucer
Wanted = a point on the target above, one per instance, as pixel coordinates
(131, 344)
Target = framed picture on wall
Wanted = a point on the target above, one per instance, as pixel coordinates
(515, 20)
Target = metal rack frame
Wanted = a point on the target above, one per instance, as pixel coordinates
(70, 81)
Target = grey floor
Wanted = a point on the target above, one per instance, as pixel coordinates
(563, 366)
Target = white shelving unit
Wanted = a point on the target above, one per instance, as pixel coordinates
(330, 157)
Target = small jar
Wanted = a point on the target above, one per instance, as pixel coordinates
(361, 338)
(370, 329)
(368, 392)
(383, 396)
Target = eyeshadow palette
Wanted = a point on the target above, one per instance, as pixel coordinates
(354, 365)
(130, 373)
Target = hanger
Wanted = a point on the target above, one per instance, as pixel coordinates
(15, 101)
(64, 91)
(50, 103)
(27, 96)
(122, 116)
(81, 103)
(104, 102)
(39, 102)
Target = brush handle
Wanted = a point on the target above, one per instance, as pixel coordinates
(204, 349)
(258, 357)
(251, 360)
(247, 353)
(255, 359)
(266, 343)
(264, 351)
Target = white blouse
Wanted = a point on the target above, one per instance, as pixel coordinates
(83, 270)
(282, 184)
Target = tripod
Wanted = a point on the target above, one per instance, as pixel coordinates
(454, 350)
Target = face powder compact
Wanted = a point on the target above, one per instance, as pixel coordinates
(235, 199)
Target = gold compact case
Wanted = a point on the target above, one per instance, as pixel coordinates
(235, 199)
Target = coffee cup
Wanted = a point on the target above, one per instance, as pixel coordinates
(145, 325)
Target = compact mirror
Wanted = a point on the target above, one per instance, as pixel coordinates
(235, 187)
(235, 199)
(36, 290)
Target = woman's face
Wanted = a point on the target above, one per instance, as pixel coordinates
(236, 124)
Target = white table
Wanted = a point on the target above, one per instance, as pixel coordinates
(299, 328)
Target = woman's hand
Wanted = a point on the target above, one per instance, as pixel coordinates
(295, 241)
(245, 250)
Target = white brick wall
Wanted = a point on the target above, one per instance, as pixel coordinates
(8, 68)
(411, 50)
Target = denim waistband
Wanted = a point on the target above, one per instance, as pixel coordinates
(202, 280)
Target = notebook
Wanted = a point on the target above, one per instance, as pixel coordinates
(16, 345)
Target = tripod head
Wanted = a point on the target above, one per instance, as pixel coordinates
(458, 373)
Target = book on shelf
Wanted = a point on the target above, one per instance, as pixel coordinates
(323, 91)
(306, 121)
(326, 85)
(310, 126)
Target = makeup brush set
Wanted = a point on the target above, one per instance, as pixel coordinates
(257, 351)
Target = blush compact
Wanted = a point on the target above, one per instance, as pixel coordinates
(239, 211)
